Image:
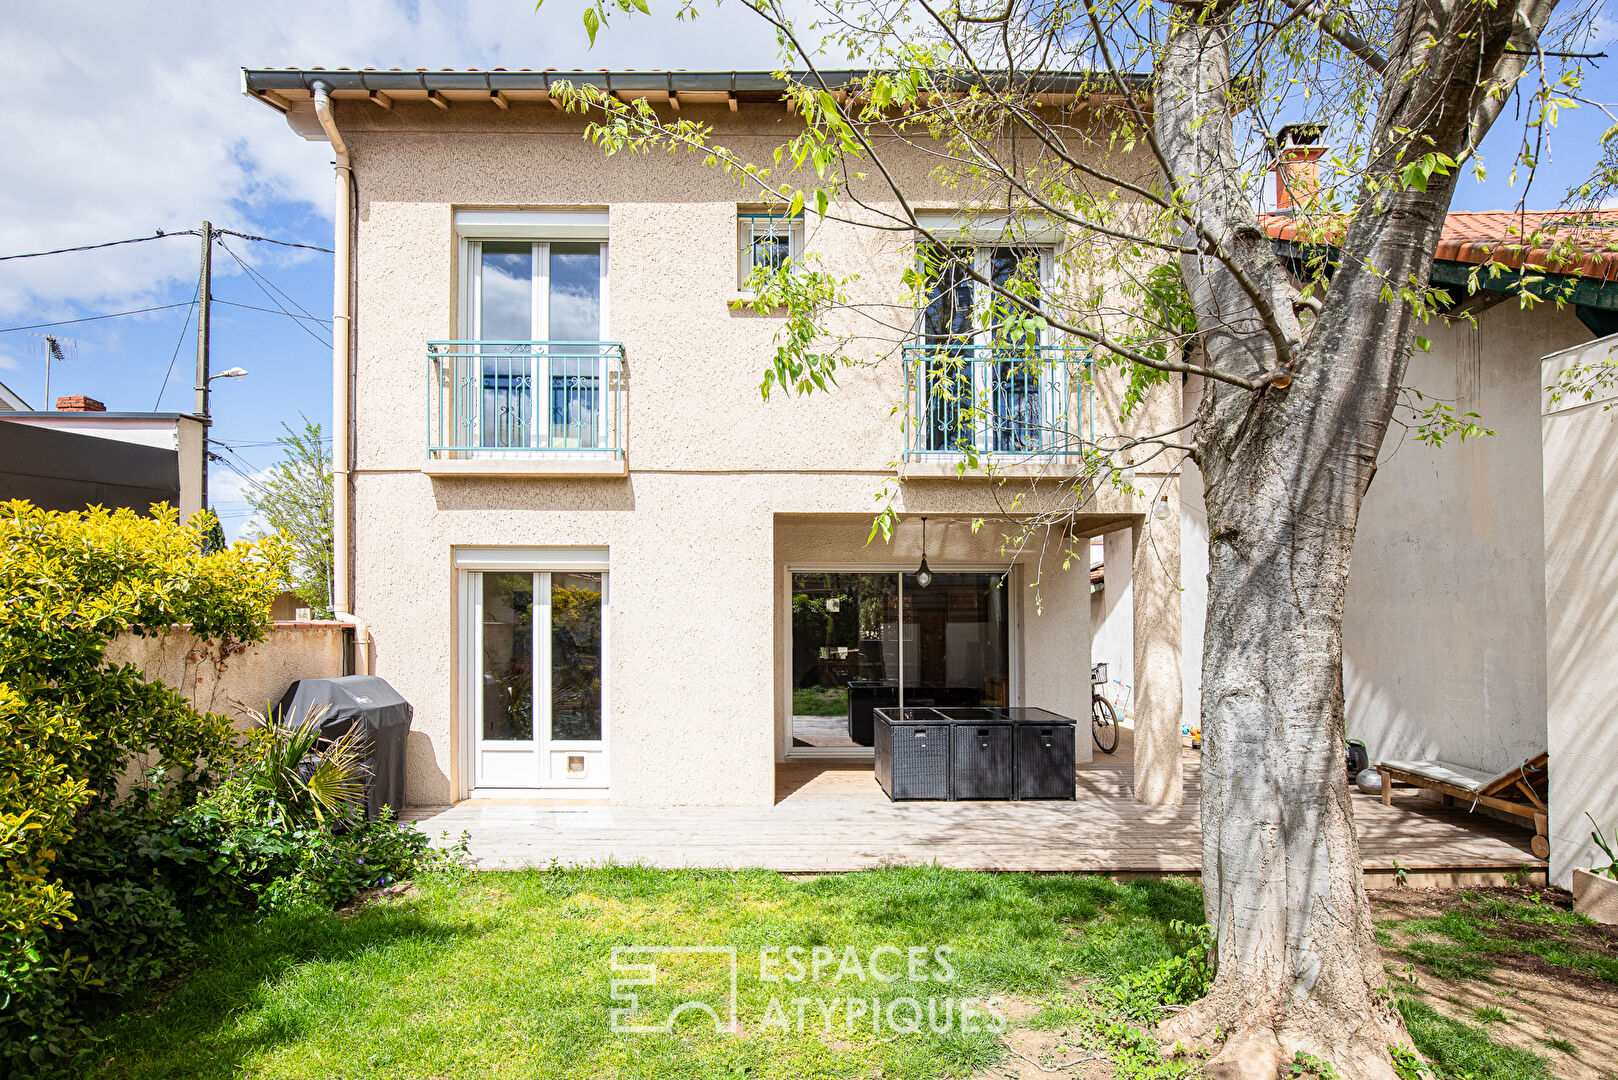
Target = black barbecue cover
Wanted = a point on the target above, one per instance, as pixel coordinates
(370, 704)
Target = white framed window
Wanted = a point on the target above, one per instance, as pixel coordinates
(530, 371)
(980, 384)
(766, 239)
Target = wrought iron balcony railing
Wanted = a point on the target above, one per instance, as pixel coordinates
(525, 398)
(996, 401)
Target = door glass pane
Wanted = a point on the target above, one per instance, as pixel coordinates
(576, 657)
(508, 656)
(505, 314)
(947, 331)
(506, 292)
(575, 316)
(845, 655)
(956, 641)
(1015, 369)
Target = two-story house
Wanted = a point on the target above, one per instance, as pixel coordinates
(576, 536)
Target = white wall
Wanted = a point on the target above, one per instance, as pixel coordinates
(1112, 618)
(1442, 657)
(1581, 611)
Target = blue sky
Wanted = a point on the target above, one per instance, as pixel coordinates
(126, 117)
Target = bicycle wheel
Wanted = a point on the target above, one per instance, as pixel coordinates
(1103, 724)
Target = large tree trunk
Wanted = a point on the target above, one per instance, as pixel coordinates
(1298, 968)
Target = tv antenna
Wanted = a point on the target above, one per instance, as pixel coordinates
(55, 347)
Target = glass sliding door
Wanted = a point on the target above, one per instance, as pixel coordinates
(866, 641)
(845, 655)
(958, 636)
(538, 644)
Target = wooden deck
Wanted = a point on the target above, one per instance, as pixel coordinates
(836, 818)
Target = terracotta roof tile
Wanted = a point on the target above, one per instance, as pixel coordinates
(1558, 241)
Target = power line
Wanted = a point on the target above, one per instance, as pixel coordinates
(255, 279)
(94, 318)
(191, 307)
(271, 240)
(264, 279)
(159, 235)
(276, 311)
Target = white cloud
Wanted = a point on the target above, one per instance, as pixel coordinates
(125, 117)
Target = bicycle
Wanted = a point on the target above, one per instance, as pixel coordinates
(1103, 718)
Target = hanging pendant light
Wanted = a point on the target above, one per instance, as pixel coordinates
(924, 576)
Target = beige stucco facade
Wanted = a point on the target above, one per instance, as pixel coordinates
(724, 492)
(246, 678)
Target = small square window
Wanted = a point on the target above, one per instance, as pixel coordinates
(766, 239)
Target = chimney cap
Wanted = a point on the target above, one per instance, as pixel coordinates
(79, 403)
(1304, 133)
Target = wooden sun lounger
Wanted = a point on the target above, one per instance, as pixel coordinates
(1516, 791)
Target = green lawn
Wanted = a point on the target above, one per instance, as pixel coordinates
(820, 701)
(508, 975)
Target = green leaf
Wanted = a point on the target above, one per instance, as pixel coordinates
(641, 5)
(592, 23)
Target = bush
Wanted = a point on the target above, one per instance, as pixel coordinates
(102, 894)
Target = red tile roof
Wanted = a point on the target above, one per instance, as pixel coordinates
(1555, 241)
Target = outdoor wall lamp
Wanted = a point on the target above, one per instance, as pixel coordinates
(924, 576)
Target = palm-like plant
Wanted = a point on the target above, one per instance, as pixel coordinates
(1611, 869)
(295, 772)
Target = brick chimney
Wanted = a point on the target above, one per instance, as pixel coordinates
(79, 403)
(1297, 165)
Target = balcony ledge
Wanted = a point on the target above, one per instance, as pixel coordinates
(1038, 466)
(595, 465)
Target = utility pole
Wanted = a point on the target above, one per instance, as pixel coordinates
(203, 297)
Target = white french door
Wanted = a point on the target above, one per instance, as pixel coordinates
(538, 705)
(980, 389)
(535, 312)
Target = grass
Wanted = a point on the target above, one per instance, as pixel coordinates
(820, 701)
(1470, 940)
(1457, 1048)
(1488, 938)
(508, 975)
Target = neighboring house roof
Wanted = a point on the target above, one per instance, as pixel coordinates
(1569, 256)
(282, 87)
(9, 401)
(1580, 243)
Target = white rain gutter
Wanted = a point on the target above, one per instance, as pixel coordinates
(342, 326)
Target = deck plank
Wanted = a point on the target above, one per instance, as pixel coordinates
(837, 819)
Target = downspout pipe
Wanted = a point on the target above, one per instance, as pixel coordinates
(342, 318)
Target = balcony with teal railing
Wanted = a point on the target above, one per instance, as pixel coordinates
(554, 408)
(1022, 408)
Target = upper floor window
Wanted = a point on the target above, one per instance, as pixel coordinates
(532, 369)
(982, 381)
(766, 240)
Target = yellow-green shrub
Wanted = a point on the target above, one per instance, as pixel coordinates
(70, 723)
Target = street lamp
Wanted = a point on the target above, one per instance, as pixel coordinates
(207, 420)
